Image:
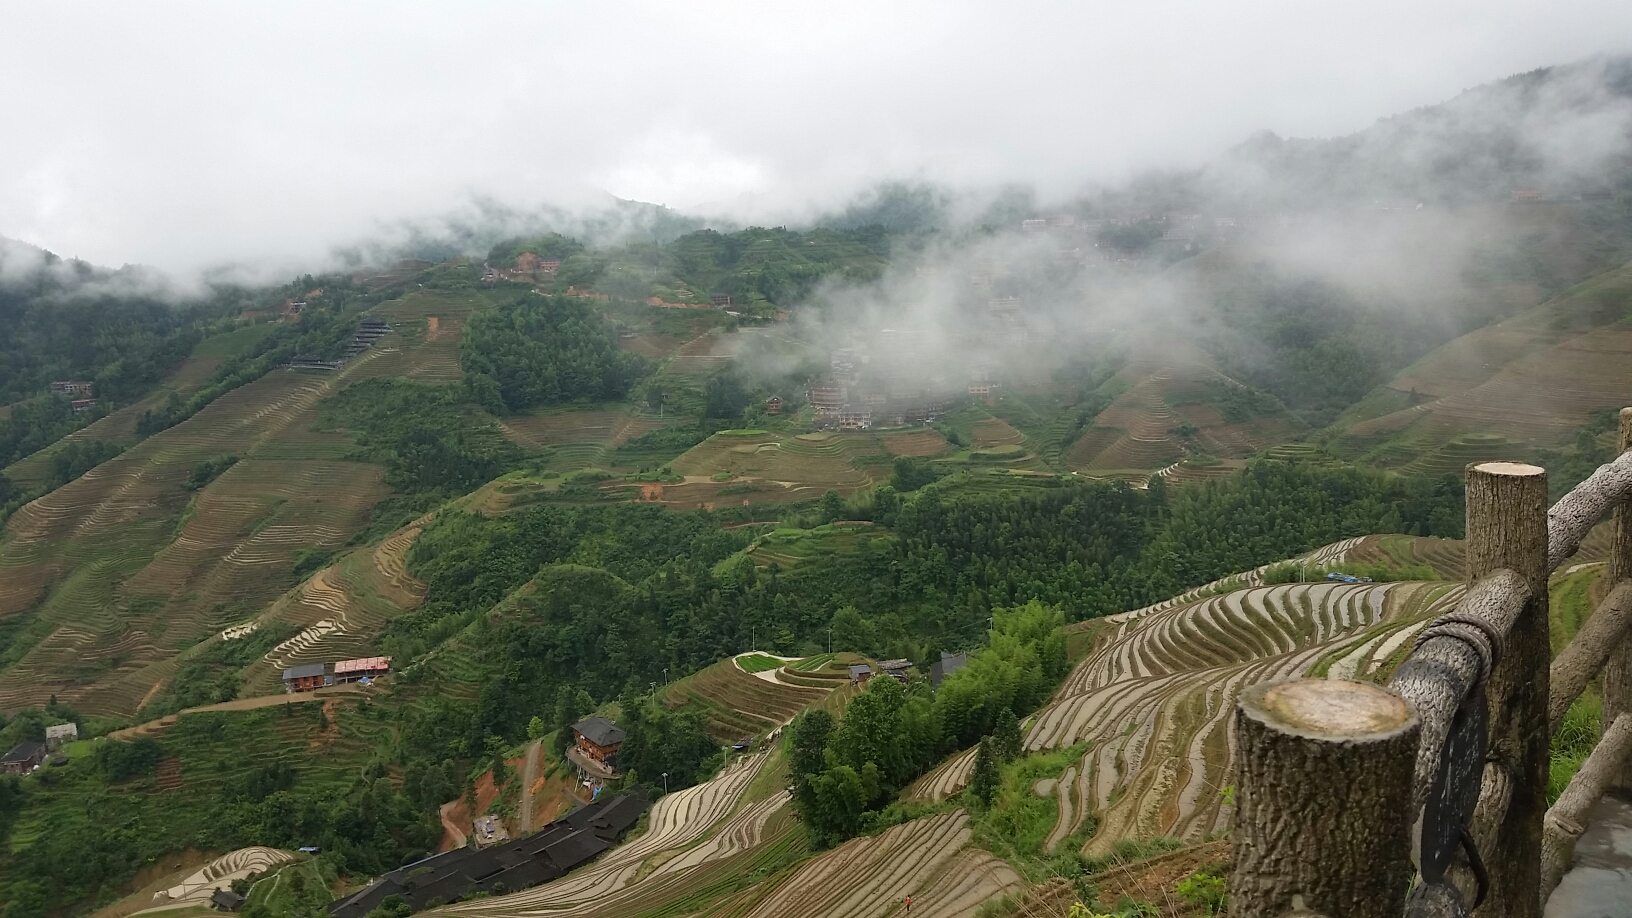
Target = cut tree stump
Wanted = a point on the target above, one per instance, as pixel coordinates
(1507, 530)
(1323, 792)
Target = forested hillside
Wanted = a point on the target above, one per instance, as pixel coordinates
(687, 478)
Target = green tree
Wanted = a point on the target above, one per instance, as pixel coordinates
(662, 741)
(840, 801)
(536, 728)
(1007, 741)
(983, 782)
(807, 745)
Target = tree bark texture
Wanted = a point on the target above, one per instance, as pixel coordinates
(1323, 788)
(1568, 817)
(1578, 511)
(1508, 529)
(1579, 663)
(1455, 652)
(1618, 668)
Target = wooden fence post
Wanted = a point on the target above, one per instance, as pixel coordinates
(1618, 670)
(1567, 820)
(1322, 800)
(1507, 528)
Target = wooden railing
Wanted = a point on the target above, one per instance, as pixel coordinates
(1427, 797)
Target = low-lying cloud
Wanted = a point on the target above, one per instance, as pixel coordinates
(188, 136)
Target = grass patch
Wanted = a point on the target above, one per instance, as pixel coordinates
(1577, 736)
(234, 342)
(758, 663)
(1017, 824)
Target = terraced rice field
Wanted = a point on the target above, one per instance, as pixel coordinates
(1154, 697)
(930, 859)
(342, 607)
(1448, 556)
(581, 439)
(921, 443)
(436, 357)
(944, 780)
(1136, 434)
(1180, 474)
(791, 548)
(781, 468)
(75, 557)
(1533, 386)
(219, 874)
(739, 703)
(655, 346)
(685, 371)
(688, 833)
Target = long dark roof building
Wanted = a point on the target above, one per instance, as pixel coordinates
(551, 852)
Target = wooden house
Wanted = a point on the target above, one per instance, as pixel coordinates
(23, 758)
(307, 677)
(854, 419)
(594, 750)
(773, 405)
(826, 399)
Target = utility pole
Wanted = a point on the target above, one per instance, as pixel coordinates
(665, 784)
(830, 640)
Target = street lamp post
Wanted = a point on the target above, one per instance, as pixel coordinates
(665, 783)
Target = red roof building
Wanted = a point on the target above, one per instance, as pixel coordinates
(367, 667)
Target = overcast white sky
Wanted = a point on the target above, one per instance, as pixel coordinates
(184, 135)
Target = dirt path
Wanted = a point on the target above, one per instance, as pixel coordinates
(237, 704)
(529, 777)
(452, 836)
(150, 693)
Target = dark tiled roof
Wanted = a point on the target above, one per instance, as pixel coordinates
(579, 818)
(366, 899)
(26, 751)
(575, 849)
(444, 890)
(860, 669)
(304, 671)
(948, 664)
(619, 817)
(600, 731)
(519, 864)
(227, 899)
